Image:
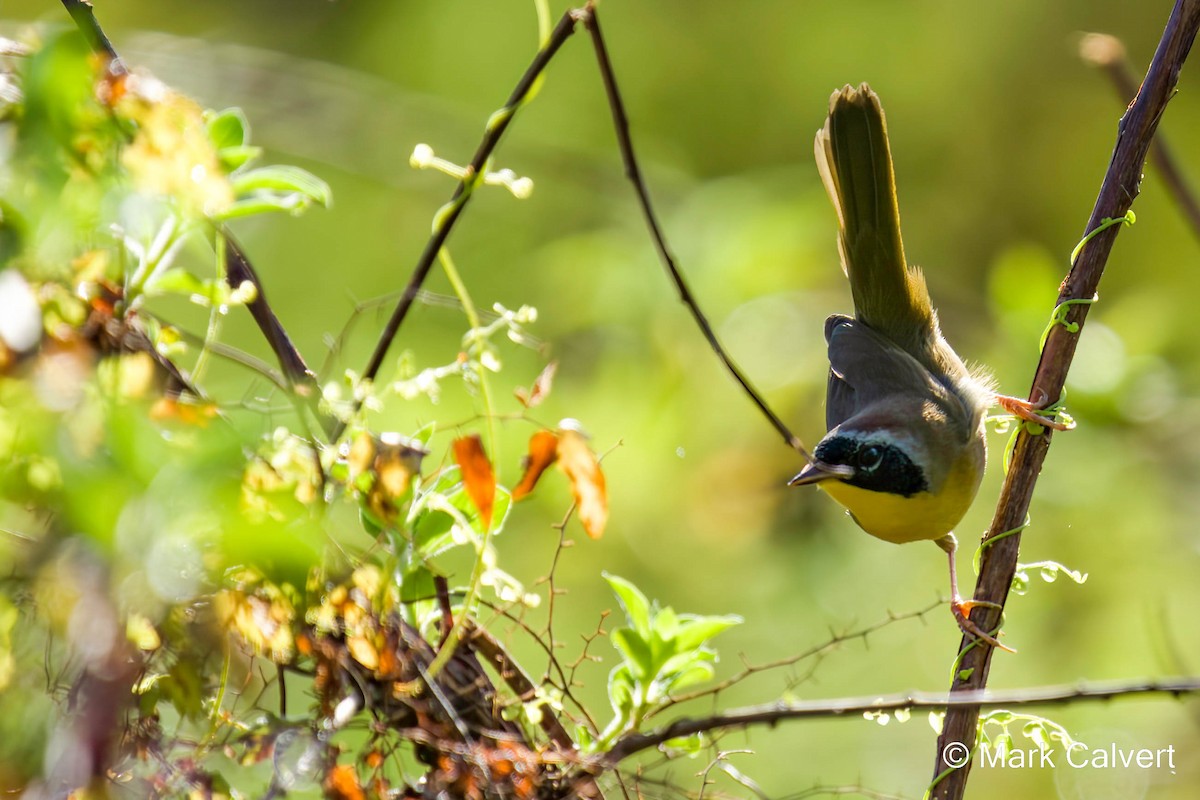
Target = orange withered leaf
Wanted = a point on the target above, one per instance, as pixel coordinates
(534, 395)
(341, 783)
(187, 412)
(543, 451)
(477, 474)
(576, 459)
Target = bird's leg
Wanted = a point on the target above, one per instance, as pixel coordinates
(962, 608)
(1028, 410)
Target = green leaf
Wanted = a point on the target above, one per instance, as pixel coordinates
(183, 686)
(636, 652)
(432, 533)
(228, 128)
(1036, 730)
(688, 745)
(445, 480)
(425, 434)
(666, 625)
(637, 607)
(283, 178)
(1000, 716)
(416, 583)
(178, 281)
(370, 523)
(233, 158)
(695, 630)
(696, 672)
(620, 690)
(681, 661)
(293, 204)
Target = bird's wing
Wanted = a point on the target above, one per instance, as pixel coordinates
(865, 367)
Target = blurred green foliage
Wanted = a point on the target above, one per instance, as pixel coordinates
(1000, 136)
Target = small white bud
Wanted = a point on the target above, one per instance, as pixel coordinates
(422, 156)
(521, 188)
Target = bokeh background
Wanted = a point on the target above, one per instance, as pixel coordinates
(1000, 135)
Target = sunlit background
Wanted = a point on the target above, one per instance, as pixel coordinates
(1000, 134)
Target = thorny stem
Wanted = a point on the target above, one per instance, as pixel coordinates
(817, 651)
(851, 707)
(634, 173)
(1117, 192)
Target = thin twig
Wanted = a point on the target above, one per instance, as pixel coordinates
(634, 173)
(300, 379)
(842, 791)
(228, 352)
(85, 19)
(999, 560)
(816, 651)
(450, 213)
(1107, 52)
(774, 713)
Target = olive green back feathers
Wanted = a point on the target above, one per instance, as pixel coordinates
(856, 166)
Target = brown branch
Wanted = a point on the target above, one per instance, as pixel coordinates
(522, 686)
(774, 713)
(1120, 187)
(520, 683)
(85, 19)
(238, 270)
(1107, 52)
(634, 173)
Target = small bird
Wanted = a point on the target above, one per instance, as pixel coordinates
(906, 447)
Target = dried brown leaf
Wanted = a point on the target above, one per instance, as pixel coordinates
(534, 395)
(576, 459)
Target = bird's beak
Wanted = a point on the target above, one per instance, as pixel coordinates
(817, 471)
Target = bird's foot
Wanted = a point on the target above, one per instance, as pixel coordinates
(962, 610)
(1028, 410)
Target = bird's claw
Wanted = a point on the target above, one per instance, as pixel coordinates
(962, 610)
(1028, 410)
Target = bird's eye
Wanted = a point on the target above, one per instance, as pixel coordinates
(870, 457)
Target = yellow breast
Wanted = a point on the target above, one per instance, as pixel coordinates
(898, 519)
(925, 515)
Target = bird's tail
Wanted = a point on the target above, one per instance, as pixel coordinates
(855, 163)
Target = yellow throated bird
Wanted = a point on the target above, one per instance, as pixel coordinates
(905, 451)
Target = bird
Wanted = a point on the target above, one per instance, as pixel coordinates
(906, 447)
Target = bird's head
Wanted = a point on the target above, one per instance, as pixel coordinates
(877, 460)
